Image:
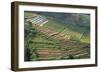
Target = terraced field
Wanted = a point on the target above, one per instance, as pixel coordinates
(56, 45)
(56, 41)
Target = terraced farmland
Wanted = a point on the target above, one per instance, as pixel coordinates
(56, 41)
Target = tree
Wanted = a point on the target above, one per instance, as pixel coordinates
(29, 34)
(71, 57)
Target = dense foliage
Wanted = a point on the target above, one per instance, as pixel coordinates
(29, 34)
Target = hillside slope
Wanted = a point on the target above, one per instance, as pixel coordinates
(57, 40)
